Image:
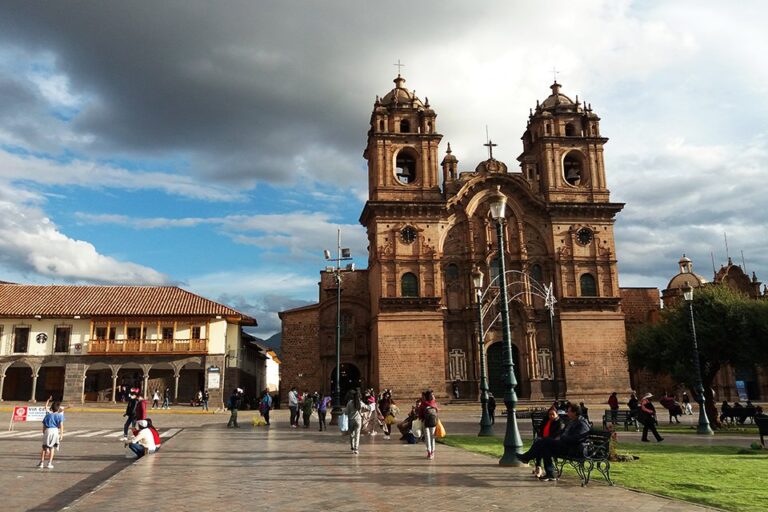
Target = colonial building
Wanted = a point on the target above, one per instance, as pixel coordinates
(408, 322)
(83, 342)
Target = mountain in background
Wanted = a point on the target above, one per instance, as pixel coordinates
(272, 342)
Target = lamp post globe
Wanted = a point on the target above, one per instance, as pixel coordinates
(512, 442)
(486, 426)
(703, 427)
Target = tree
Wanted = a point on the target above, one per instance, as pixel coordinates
(731, 329)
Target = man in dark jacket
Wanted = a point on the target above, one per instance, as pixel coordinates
(130, 414)
(235, 402)
(570, 443)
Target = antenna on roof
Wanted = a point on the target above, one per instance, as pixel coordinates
(743, 263)
(714, 270)
(725, 236)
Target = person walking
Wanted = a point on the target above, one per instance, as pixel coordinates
(322, 410)
(235, 401)
(265, 405)
(427, 413)
(646, 415)
(387, 409)
(156, 399)
(130, 414)
(306, 408)
(293, 405)
(613, 404)
(53, 433)
(167, 398)
(354, 410)
(492, 408)
(687, 408)
(206, 397)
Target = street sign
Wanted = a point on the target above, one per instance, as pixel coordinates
(24, 413)
(214, 377)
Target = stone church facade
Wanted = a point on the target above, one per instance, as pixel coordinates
(409, 322)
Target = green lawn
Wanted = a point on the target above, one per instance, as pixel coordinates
(715, 476)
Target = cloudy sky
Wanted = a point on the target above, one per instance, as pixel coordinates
(218, 145)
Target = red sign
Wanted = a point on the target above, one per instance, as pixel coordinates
(23, 413)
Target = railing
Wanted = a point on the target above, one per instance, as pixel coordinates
(142, 346)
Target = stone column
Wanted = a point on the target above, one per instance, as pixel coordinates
(115, 369)
(74, 382)
(35, 375)
(176, 375)
(2, 383)
(533, 364)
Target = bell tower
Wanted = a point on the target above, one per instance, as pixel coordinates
(563, 151)
(405, 219)
(402, 148)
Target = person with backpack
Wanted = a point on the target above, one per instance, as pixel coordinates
(265, 405)
(428, 415)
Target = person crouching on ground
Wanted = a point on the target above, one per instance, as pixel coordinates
(155, 434)
(143, 442)
(53, 431)
(570, 443)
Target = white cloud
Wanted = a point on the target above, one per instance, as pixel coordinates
(31, 243)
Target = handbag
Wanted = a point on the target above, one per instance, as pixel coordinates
(344, 422)
(440, 430)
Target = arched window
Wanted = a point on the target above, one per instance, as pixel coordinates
(452, 273)
(381, 125)
(429, 127)
(570, 130)
(536, 273)
(573, 171)
(405, 126)
(495, 266)
(405, 167)
(409, 285)
(546, 127)
(588, 285)
(347, 323)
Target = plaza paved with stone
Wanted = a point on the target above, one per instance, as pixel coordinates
(205, 466)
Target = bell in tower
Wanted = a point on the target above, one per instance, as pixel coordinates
(402, 148)
(563, 151)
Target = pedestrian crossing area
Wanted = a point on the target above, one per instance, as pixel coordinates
(82, 433)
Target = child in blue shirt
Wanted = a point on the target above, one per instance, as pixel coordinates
(53, 431)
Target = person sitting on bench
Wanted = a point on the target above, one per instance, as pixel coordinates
(570, 443)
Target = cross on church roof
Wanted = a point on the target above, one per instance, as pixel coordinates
(490, 145)
(555, 72)
(398, 66)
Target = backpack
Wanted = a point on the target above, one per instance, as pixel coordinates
(430, 417)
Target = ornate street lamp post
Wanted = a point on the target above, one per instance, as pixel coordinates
(703, 428)
(341, 255)
(512, 441)
(549, 303)
(486, 427)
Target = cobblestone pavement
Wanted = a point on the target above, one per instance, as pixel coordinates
(205, 468)
(204, 465)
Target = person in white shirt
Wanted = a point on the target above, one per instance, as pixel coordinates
(143, 442)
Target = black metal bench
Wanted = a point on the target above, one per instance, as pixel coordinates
(596, 452)
(624, 417)
(762, 427)
(537, 418)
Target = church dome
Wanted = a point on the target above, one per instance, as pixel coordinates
(686, 276)
(491, 166)
(556, 98)
(401, 96)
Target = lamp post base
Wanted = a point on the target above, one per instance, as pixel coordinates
(486, 426)
(335, 413)
(509, 459)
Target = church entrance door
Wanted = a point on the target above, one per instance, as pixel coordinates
(350, 379)
(495, 356)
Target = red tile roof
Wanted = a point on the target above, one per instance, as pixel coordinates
(19, 300)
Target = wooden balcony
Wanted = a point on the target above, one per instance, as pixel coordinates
(141, 347)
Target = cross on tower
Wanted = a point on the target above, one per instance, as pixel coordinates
(555, 72)
(398, 66)
(490, 145)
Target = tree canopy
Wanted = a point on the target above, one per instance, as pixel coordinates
(731, 329)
